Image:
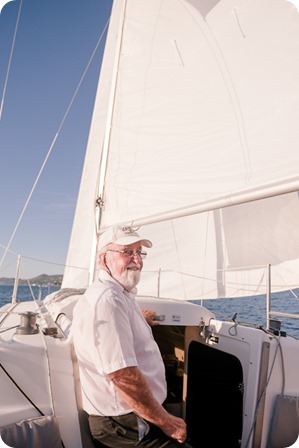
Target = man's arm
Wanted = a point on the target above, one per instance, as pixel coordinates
(134, 390)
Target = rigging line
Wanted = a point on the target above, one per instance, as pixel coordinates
(10, 59)
(11, 251)
(7, 312)
(49, 375)
(83, 76)
(9, 328)
(53, 263)
(18, 387)
(31, 290)
(259, 401)
(53, 143)
(48, 370)
(28, 200)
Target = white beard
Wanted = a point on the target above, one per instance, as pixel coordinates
(129, 278)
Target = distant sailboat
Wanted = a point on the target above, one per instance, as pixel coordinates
(194, 137)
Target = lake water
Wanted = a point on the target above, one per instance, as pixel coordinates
(251, 310)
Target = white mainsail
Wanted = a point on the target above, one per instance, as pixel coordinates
(196, 112)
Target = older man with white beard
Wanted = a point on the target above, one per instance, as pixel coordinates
(121, 370)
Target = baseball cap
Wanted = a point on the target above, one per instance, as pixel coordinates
(122, 235)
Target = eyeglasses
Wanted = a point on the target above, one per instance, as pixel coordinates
(129, 252)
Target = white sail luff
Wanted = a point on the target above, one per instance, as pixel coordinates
(81, 256)
(118, 17)
(118, 13)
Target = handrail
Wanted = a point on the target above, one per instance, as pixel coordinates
(277, 313)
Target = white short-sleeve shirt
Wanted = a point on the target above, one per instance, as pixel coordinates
(110, 333)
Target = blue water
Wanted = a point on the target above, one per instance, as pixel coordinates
(24, 294)
(250, 310)
(253, 310)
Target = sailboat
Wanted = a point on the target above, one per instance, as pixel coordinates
(194, 139)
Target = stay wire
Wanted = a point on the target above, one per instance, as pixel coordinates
(10, 60)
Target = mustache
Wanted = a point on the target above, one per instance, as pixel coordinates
(134, 266)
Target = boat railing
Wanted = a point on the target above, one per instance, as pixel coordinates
(271, 323)
(270, 314)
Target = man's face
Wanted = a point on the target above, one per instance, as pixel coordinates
(124, 269)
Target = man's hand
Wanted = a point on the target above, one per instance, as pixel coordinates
(149, 316)
(134, 390)
(175, 428)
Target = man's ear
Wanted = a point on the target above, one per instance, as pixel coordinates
(102, 258)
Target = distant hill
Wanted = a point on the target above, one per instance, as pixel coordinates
(42, 279)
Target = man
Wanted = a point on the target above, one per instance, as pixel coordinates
(121, 370)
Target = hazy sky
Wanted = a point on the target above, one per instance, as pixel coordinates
(53, 44)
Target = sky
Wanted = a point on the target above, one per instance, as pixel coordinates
(51, 49)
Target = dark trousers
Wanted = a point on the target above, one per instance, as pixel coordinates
(127, 431)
